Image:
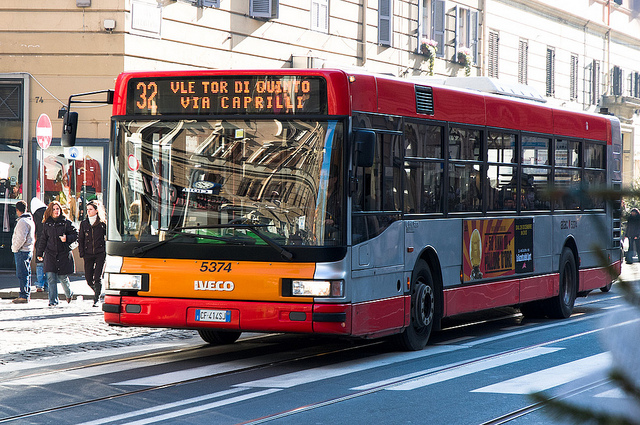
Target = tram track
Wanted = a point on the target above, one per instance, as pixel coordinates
(502, 419)
(518, 413)
(499, 420)
(172, 384)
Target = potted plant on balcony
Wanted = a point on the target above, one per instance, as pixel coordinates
(428, 48)
(464, 59)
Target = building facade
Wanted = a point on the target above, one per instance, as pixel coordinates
(583, 55)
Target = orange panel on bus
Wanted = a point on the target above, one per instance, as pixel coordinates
(238, 280)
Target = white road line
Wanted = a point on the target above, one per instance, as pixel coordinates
(467, 369)
(167, 406)
(184, 412)
(82, 373)
(57, 361)
(325, 372)
(55, 377)
(202, 371)
(197, 372)
(613, 393)
(552, 377)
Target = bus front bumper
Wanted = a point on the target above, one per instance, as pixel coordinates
(245, 316)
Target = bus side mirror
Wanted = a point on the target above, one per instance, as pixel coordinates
(365, 142)
(69, 128)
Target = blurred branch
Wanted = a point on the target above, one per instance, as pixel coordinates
(579, 414)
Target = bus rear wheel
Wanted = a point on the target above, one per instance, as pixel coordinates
(219, 337)
(415, 337)
(561, 306)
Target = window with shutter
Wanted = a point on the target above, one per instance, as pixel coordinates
(616, 79)
(10, 102)
(474, 34)
(320, 15)
(384, 22)
(467, 31)
(573, 84)
(587, 83)
(266, 9)
(551, 71)
(595, 82)
(209, 3)
(523, 61)
(494, 44)
(636, 84)
(438, 25)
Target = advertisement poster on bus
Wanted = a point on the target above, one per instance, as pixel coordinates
(496, 247)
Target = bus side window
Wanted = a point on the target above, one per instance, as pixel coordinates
(465, 170)
(377, 200)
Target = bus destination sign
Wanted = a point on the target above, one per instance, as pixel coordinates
(213, 95)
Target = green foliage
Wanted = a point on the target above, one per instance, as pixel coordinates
(561, 407)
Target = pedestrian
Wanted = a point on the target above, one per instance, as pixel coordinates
(633, 233)
(91, 238)
(55, 247)
(22, 246)
(37, 210)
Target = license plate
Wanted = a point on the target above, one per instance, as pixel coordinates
(213, 315)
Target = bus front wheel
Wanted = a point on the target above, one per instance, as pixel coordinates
(415, 336)
(561, 306)
(218, 337)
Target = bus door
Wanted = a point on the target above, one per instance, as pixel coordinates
(377, 239)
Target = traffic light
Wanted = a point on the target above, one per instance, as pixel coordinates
(69, 129)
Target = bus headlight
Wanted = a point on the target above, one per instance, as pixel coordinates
(317, 288)
(132, 282)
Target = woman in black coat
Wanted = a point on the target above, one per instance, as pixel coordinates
(54, 248)
(91, 239)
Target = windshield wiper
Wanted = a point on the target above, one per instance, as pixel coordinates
(287, 255)
(176, 234)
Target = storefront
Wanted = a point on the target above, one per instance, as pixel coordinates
(72, 176)
(14, 119)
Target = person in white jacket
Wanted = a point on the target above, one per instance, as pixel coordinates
(22, 243)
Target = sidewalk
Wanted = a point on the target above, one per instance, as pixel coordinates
(79, 287)
(34, 331)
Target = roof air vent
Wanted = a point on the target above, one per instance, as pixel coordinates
(424, 100)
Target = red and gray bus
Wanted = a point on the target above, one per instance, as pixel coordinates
(328, 202)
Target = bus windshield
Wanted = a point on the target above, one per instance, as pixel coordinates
(248, 182)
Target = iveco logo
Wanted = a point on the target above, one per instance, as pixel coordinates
(213, 285)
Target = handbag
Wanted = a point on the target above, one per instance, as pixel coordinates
(73, 245)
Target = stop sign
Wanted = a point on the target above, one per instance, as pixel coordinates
(44, 131)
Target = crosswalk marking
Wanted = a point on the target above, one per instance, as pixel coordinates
(612, 393)
(551, 377)
(332, 371)
(183, 412)
(83, 373)
(466, 369)
(199, 372)
(56, 377)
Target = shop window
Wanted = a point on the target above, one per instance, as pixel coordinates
(72, 182)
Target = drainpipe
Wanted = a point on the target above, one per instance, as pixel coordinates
(363, 42)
